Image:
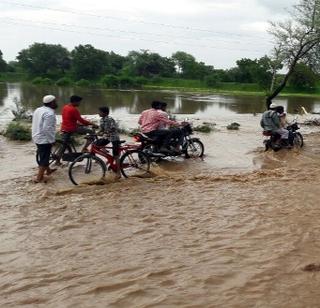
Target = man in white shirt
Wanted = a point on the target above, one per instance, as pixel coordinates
(44, 134)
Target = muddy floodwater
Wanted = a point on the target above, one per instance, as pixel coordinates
(238, 229)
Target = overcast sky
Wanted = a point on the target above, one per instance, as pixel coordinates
(217, 32)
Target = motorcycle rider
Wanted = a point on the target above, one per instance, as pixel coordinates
(176, 132)
(152, 121)
(270, 122)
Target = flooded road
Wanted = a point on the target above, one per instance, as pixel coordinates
(234, 230)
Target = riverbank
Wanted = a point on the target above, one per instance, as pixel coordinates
(162, 84)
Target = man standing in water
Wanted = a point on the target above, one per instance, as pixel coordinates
(44, 134)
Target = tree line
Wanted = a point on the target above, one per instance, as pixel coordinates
(46, 62)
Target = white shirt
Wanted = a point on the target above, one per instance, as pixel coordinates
(44, 125)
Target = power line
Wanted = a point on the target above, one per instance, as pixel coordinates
(129, 20)
(124, 31)
(126, 38)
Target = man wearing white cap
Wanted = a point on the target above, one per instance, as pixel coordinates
(44, 134)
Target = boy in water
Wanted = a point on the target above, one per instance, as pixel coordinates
(109, 131)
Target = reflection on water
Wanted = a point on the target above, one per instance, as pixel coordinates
(134, 102)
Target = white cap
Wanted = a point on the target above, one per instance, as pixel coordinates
(273, 105)
(48, 99)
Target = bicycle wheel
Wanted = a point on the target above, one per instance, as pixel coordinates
(56, 152)
(195, 148)
(87, 169)
(298, 140)
(134, 163)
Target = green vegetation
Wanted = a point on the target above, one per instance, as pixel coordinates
(128, 132)
(233, 126)
(42, 81)
(83, 83)
(64, 81)
(206, 127)
(18, 131)
(86, 66)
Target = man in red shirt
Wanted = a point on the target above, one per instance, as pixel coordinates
(71, 118)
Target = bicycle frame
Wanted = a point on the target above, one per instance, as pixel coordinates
(104, 151)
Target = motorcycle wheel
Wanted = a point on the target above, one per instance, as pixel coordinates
(298, 140)
(195, 149)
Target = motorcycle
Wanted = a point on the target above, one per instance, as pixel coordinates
(275, 142)
(191, 147)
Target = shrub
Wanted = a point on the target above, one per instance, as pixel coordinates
(110, 81)
(18, 131)
(140, 81)
(211, 81)
(83, 83)
(233, 126)
(128, 132)
(42, 81)
(203, 129)
(156, 80)
(63, 82)
(126, 82)
(20, 112)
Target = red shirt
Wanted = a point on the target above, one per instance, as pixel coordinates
(70, 118)
(152, 119)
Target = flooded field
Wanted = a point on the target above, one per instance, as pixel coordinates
(234, 230)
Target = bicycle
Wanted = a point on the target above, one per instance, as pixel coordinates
(65, 149)
(89, 168)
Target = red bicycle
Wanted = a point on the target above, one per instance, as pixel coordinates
(89, 167)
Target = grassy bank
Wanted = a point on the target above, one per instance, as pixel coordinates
(157, 83)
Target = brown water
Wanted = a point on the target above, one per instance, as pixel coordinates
(234, 230)
(195, 235)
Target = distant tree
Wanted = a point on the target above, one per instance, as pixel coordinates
(42, 59)
(184, 62)
(3, 64)
(297, 39)
(14, 66)
(115, 63)
(303, 77)
(147, 64)
(188, 67)
(89, 62)
(246, 67)
(263, 72)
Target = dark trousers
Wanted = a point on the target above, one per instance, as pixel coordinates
(177, 135)
(160, 136)
(43, 153)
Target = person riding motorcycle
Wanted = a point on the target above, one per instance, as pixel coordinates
(176, 132)
(152, 123)
(271, 122)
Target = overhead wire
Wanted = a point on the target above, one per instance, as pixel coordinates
(126, 31)
(188, 28)
(36, 24)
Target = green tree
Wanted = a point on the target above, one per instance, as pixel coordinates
(303, 77)
(188, 67)
(3, 64)
(46, 60)
(116, 63)
(147, 64)
(89, 62)
(297, 39)
(252, 71)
